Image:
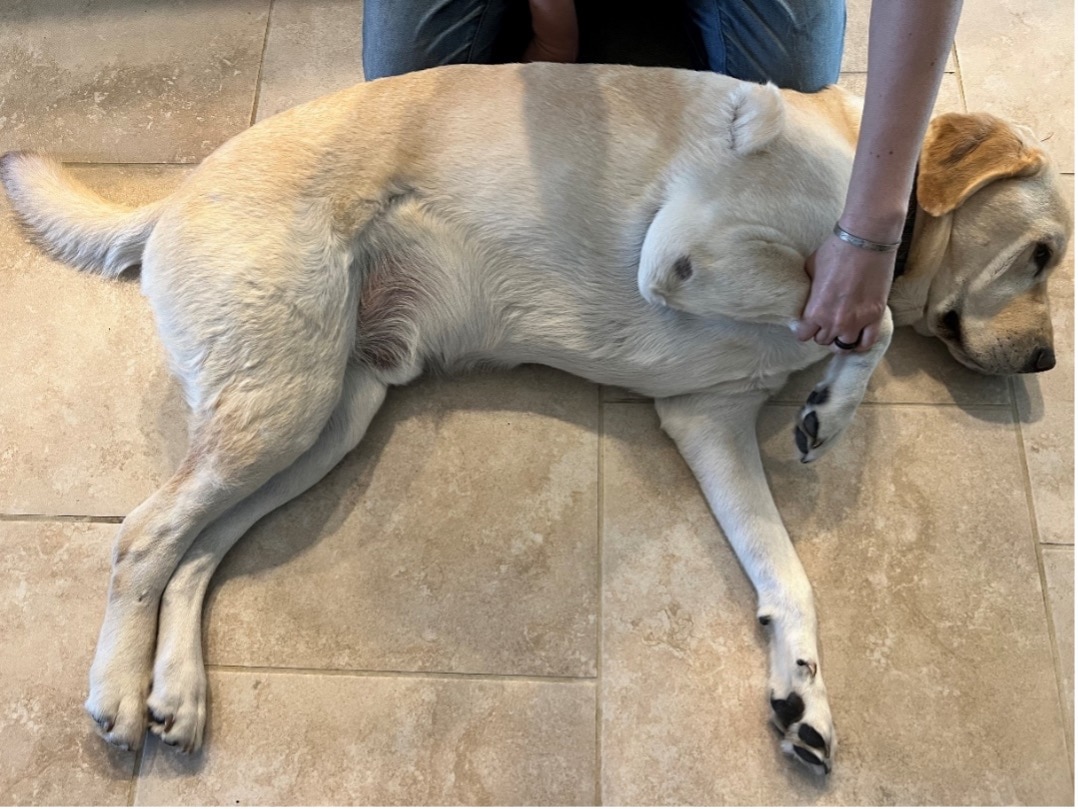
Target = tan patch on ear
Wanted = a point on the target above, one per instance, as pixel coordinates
(964, 153)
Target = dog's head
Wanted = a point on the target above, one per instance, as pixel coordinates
(991, 226)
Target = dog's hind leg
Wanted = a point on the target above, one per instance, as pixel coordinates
(177, 702)
(243, 437)
(717, 437)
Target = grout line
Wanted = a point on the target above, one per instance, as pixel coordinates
(136, 773)
(963, 405)
(261, 62)
(415, 675)
(1038, 551)
(799, 402)
(92, 518)
(601, 502)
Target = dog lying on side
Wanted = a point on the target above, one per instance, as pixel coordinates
(646, 228)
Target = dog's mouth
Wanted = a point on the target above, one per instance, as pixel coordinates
(1035, 359)
(948, 329)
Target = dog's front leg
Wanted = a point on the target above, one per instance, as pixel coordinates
(717, 437)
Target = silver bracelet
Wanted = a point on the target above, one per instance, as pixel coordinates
(864, 244)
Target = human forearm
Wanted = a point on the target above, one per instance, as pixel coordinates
(908, 45)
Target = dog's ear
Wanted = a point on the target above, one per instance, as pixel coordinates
(964, 153)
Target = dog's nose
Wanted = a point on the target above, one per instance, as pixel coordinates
(1043, 359)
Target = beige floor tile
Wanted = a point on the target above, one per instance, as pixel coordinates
(316, 739)
(855, 53)
(128, 80)
(934, 635)
(52, 596)
(1046, 410)
(90, 420)
(1017, 61)
(1049, 447)
(1059, 573)
(460, 536)
(313, 48)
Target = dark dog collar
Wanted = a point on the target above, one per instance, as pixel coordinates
(907, 231)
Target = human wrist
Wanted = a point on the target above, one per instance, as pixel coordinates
(883, 227)
(861, 243)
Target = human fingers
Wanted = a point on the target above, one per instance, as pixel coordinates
(869, 337)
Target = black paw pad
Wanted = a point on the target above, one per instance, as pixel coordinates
(820, 396)
(788, 710)
(683, 268)
(806, 755)
(801, 440)
(811, 425)
(809, 735)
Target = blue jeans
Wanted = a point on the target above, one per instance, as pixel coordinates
(793, 43)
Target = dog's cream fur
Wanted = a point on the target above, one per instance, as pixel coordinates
(639, 227)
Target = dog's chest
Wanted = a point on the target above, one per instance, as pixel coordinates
(665, 353)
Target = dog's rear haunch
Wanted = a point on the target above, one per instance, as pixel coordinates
(638, 227)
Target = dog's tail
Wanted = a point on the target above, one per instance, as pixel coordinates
(70, 221)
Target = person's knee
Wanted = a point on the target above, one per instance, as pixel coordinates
(386, 60)
(391, 39)
(808, 55)
(402, 36)
(795, 44)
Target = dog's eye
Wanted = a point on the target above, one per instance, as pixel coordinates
(1042, 254)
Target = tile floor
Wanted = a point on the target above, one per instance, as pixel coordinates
(440, 622)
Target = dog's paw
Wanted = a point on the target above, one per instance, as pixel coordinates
(821, 421)
(798, 695)
(808, 736)
(177, 706)
(117, 704)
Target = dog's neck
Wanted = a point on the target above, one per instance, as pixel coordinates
(924, 245)
(903, 253)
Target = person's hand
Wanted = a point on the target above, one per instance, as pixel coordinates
(848, 295)
(555, 35)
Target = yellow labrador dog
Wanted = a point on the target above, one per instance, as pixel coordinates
(638, 227)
